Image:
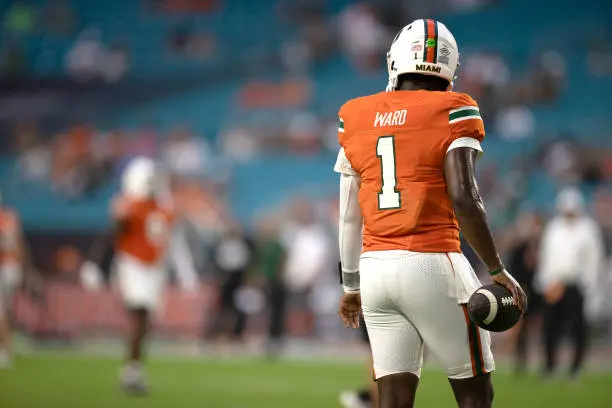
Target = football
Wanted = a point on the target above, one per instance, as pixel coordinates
(493, 308)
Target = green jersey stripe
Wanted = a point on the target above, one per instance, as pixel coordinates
(464, 108)
(464, 118)
(463, 113)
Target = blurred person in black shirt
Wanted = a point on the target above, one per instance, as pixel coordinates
(523, 263)
(570, 266)
(270, 260)
(232, 257)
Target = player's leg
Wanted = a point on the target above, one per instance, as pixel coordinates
(240, 317)
(397, 390)
(522, 338)
(520, 351)
(578, 329)
(9, 281)
(463, 349)
(132, 376)
(5, 330)
(139, 327)
(553, 328)
(277, 311)
(475, 392)
(141, 288)
(397, 348)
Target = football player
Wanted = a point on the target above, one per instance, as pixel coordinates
(14, 261)
(407, 187)
(143, 226)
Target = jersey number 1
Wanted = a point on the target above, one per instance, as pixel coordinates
(388, 197)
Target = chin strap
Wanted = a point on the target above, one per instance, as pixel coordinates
(391, 85)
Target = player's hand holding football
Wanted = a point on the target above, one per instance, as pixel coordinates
(505, 279)
(350, 309)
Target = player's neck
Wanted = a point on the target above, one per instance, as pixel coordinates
(411, 86)
(417, 86)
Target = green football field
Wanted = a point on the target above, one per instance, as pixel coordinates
(72, 380)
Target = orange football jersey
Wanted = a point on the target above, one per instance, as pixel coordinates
(9, 235)
(145, 227)
(396, 142)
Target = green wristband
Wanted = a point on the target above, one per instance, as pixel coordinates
(496, 271)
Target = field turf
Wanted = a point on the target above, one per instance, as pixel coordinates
(57, 380)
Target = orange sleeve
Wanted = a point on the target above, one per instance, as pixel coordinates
(345, 127)
(464, 118)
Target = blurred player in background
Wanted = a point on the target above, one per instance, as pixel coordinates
(407, 187)
(523, 261)
(143, 227)
(571, 262)
(15, 269)
(232, 256)
(270, 263)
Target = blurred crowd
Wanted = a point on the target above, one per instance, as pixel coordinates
(80, 159)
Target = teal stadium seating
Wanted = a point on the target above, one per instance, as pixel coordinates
(514, 29)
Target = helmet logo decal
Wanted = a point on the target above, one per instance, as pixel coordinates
(431, 41)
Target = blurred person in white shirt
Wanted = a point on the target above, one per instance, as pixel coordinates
(115, 63)
(569, 270)
(308, 250)
(363, 36)
(84, 59)
(186, 155)
(515, 122)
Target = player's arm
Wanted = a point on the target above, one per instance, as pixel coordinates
(119, 211)
(350, 224)
(350, 239)
(459, 168)
(350, 244)
(469, 208)
(101, 247)
(350, 232)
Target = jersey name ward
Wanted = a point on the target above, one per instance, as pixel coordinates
(393, 118)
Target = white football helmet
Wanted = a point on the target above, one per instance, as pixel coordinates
(139, 178)
(425, 47)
